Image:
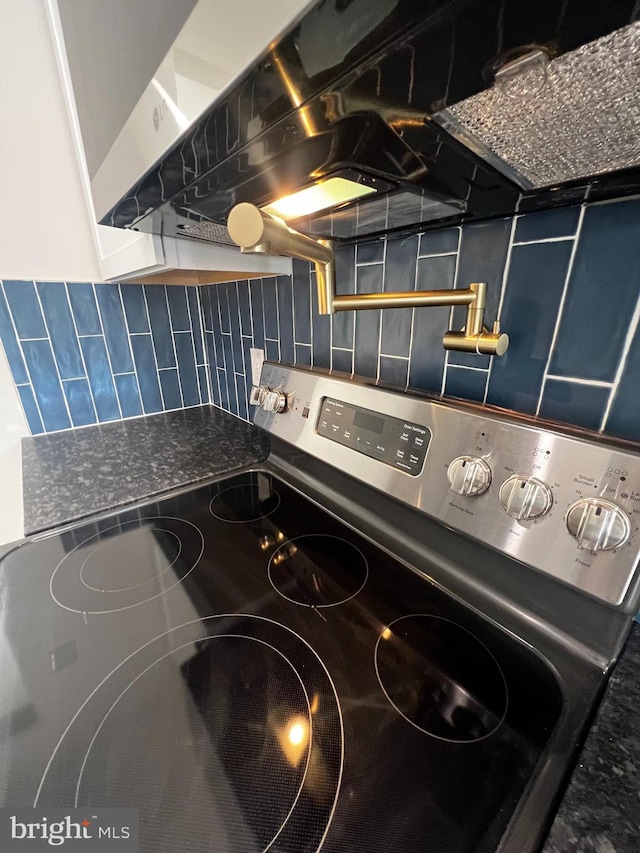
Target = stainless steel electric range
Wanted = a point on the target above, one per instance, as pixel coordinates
(391, 636)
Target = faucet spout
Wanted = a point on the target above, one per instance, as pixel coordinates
(256, 231)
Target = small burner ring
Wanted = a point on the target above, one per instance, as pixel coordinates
(441, 678)
(248, 505)
(69, 589)
(318, 570)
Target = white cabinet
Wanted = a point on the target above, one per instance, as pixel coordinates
(47, 221)
(81, 29)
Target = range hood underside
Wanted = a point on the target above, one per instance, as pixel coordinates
(570, 131)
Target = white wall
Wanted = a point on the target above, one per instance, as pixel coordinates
(45, 231)
(12, 428)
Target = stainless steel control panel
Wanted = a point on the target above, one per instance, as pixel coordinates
(390, 440)
(566, 506)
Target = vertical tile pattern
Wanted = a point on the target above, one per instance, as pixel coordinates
(534, 291)
(564, 283)
(547, 273)
(81, 353)
(592, 328)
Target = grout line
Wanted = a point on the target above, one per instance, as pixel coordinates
(234, 372)
(249, 290)
(264, 316)
(53, 354)
(440, 254)
(371, 263)
(599, 203)
(34, 339)
(565, 290)
(445, 366)
(398, 357)
(631, 331)
(203, 344)
(343, 349)
(293, 313)
(468, 367)
(173, 342)
(577, 381)
(24, 361)
(224, 357)
(545, 240)
(216, 344)
(153, 350)
(244, 366)
(106, 349)
(249, 379)
(503, 291)
(413, 313)
(277, 284)
(312, 290)
(355, 290)
(193, 344)
(133, 361)
(87, 336)
(384, 281)
(84, 364)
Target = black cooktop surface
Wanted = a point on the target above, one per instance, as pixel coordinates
(252, 675)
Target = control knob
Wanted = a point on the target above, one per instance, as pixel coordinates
(258, 394)
(469, 475)
(525, 498)
(598, 525)
(275, 401)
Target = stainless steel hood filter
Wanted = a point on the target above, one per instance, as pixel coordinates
(575, 116)
(211, 231)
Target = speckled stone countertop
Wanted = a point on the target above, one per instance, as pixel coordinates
(73, 474)
(600, 812)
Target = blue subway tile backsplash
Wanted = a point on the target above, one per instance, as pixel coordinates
(602, 293)
(83, 353)
(46, 384)
(533, 295)
(563, 283)
(551, 275)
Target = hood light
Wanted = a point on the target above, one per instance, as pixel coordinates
(317, 197)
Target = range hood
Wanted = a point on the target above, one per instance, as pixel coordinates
(421, 114)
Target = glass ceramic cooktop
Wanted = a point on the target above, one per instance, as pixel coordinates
(252, 675)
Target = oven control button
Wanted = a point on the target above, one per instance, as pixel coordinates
(525, 498)
(275, 401)
(598, 525)
(469, 475)
(258, 394)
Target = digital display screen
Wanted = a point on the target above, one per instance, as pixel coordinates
(369, 422)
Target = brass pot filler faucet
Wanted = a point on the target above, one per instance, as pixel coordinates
(258, 232)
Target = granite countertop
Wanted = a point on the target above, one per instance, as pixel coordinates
(73, 474)
(600, 812)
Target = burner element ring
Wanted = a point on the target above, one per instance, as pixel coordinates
(318, 570)
(441, 678)
(243, 504)
(153, 535)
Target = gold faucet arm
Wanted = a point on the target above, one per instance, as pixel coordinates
(256, 231)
